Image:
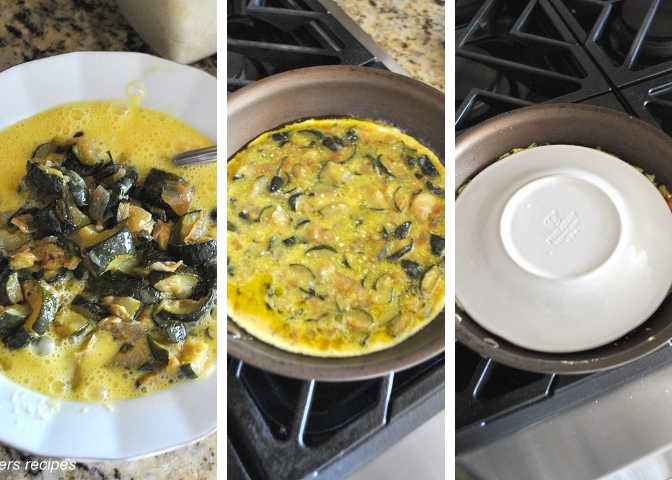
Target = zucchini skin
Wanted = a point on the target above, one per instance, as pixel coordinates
(175, 310)
(196, 254)
(9, 282)
(12, 319)
(47, 180)
(101, 254)
(152, 190)
(123, 285)
(51, 223)
(44, 308)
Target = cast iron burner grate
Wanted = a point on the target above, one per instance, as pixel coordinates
(629, 39)
(265, 37)
(518, 53)
(284, 428)
(493, 400)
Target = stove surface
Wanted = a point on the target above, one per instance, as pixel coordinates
(510, 54)
(279, 427)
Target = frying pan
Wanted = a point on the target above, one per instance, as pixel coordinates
(410, 105)
(630, 139)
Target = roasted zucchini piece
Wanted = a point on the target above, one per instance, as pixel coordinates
(192, 357)
(70, 321)
(161, 350)
(99, 207)
(126, 308)
(44, 149)
(191, 227)
(177, 284)
(208, 281)
(85, 151)
(54, 219)
(437, 244)
(43, 306)
(436, 190)
(121, 284)
(140, 221)
(196, 254)
(412, 269)
(107, 246)
(334, 173)
(151, 257)
(401, 252)
(400, 324)
(20, 339)
(357, 320)
(175, 331)
(430, 280)
(89, 308)
(130, 355)
(78, 188)
(428, 167)
(12, 318)
(47, 180)
(10, 288)
(184, 310)
(165, 190)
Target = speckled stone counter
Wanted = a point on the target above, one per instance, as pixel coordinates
(33, 29)
(413, 33)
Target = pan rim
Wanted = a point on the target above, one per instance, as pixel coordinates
(423, 345)
(509, 126)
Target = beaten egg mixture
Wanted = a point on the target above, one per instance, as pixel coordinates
(335, 237)
(83, 369)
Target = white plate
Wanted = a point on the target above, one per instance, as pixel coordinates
(561, 248)
(132, 428)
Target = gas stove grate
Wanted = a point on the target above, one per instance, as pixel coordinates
(264, 443)
(266, 37)
(629, 39)
(493, 400)
(514, 54)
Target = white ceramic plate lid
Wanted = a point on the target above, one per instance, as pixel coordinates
(179, 415)
(562, 248)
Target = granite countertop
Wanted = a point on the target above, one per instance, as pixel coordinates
(33, 29)
(413, 33)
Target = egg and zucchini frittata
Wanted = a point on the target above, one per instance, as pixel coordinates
(335, 236)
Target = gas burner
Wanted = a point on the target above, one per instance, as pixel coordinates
(471, 75)
(657, 42)
(334, 404)
(633, 13)
(235, 7)
(239, 67)
(466, 9)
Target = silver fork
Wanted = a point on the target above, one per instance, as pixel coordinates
(192, 157)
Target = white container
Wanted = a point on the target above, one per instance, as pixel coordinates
(183, 31)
